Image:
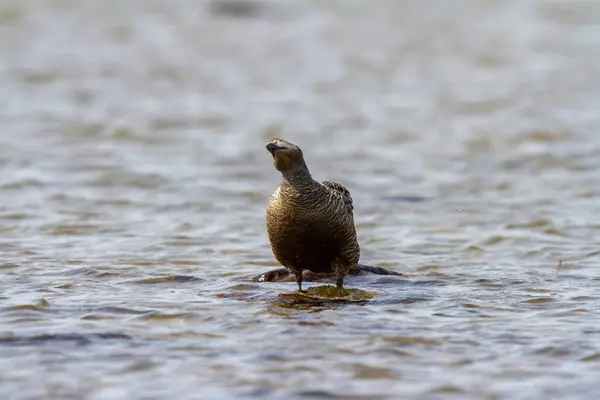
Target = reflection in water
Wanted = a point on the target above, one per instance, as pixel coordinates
(134, 185)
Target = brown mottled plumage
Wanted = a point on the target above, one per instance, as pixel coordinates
(310, 224)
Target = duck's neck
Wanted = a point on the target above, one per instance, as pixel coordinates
(296, 178)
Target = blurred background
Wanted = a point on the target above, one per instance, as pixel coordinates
(134, 182)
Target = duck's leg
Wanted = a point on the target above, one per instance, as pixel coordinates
(299, 281)
(341, 270)
(339, 282)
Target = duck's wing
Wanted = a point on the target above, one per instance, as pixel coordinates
(341, 193)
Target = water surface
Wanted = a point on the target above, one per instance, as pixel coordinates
(134, 183)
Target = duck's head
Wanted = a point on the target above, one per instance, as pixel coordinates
(286, 156)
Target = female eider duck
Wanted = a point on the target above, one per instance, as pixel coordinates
(310, 224)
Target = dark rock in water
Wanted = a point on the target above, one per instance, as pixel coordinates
(362, 269)
(274, 275)
(327, 294)
(285, 275)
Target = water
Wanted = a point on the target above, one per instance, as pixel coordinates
(135, 179)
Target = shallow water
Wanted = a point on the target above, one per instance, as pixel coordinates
(134, 183)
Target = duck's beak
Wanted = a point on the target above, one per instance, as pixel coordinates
(272, 147)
